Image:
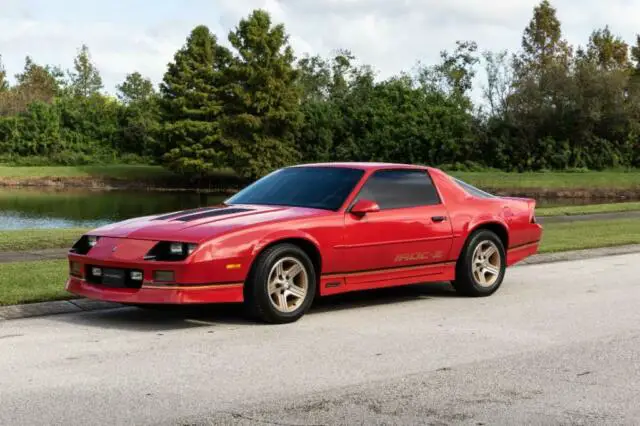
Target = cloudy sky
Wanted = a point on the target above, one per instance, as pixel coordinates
(392, 35)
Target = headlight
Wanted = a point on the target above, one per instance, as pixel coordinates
(84, 244)
(170, 251)
(175, 248)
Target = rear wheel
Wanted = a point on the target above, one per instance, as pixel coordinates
(281, 286)
(481, 267)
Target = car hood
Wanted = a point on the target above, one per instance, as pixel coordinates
(197, 225)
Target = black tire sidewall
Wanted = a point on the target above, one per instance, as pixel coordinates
(477, 238)
(258, 295)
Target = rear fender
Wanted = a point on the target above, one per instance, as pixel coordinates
(486, 220)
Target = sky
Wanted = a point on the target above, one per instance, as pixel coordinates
(391, 35)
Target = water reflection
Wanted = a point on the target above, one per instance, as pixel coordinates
(37, 208)
(27, 208)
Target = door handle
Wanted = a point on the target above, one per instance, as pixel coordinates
(438, 218)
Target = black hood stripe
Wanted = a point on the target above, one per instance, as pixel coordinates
(212, 213)
(185, 212)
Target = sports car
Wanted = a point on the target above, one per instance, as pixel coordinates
(308, 231)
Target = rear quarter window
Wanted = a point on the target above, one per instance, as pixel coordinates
(472, 190)
(393, 189)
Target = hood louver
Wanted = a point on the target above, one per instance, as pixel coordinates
(184, 212)
(212, 213)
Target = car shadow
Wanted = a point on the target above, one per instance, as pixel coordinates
(167, 318)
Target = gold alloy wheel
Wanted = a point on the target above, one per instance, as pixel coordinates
(288, 284)
(486, 263)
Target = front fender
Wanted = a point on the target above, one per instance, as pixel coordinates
(280, 235)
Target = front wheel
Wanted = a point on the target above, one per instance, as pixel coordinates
(281, 286)
(481, 267)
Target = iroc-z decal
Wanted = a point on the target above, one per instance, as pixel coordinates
(419, 255)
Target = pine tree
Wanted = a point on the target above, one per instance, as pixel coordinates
(262, 113)
(542, 43)
(4, 84)
(609, 52)
(86, 80)
(135, 88)
(191, 105)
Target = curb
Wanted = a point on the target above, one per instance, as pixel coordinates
(567, 256)
(53, 308)
(86, 305)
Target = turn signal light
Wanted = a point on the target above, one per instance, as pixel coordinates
(164, 276)
(75, 269)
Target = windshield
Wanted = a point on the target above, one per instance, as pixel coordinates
(314, 187)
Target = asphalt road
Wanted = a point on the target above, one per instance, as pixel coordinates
(559, 344)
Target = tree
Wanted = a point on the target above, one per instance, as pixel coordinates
(499, 86)
(34, 84)
(455, 73)
(135, 88)
(139, 118)
(86, 80)
(191, 105)
(4, 84)
(262, 114)
(542, 43)
(607, 51)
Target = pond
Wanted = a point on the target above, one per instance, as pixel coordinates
(28, 208)
(31, 208)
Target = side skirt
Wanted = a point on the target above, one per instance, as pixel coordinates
(336, 283)
(521, 252)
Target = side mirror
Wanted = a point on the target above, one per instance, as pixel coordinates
(362, 207)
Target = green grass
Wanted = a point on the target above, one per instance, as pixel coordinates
(588, 209)
(589, 234)
(113, 172)
(37, 281)
(552, 180)
(485, 179)
(36, 239)
(28, 282)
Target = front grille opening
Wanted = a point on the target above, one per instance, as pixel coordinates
(113, 277)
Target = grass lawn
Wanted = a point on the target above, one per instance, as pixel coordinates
(113, 171)
(28, 282)
(612, 179)
(24, 282)
(589, 234)
(35, 239)
(553, 180)
(588, 209)
(123, 172)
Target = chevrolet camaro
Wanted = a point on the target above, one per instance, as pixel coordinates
(307, 231)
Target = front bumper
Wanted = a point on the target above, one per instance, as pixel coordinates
(200, 279)
(158, 294)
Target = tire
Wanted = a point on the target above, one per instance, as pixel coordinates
(278, 301)
(468, 281)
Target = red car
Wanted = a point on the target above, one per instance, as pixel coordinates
(307, 231)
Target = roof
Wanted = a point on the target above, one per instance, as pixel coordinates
(365, 165)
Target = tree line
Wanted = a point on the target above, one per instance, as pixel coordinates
(254, 106)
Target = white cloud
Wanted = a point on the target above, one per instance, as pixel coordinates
(391, 35)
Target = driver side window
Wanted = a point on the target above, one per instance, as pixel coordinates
(394, 189)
